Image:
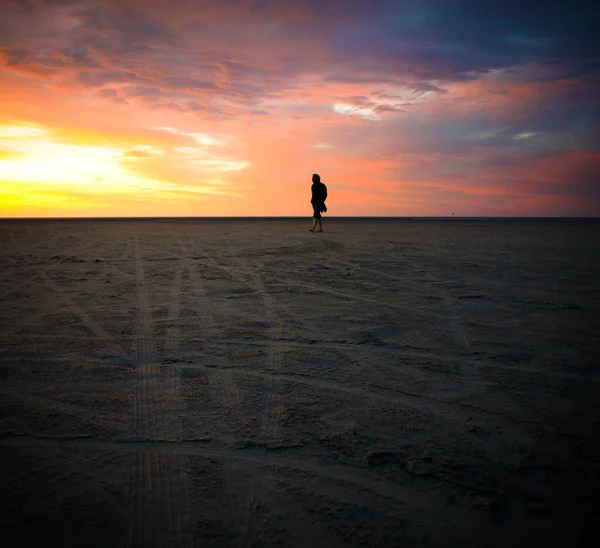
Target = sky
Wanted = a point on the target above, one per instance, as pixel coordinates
(226, 107)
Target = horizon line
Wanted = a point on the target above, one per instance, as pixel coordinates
(303, 217)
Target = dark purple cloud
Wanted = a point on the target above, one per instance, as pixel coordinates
(253, 48)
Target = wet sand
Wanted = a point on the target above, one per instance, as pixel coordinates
(247, 383)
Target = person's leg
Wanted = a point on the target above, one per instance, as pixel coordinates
(316, 217)
(321, 207)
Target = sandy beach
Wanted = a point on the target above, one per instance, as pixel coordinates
(214, 383)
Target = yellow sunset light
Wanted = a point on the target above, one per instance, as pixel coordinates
(48, 162)
(39, 171)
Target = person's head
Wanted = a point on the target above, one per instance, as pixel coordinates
(316, 178)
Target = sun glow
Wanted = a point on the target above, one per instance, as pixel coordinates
(43, 161)
(38, 170)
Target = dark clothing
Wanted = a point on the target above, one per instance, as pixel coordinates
(319, 194)
(317, 208)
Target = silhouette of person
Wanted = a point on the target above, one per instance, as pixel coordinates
(319, 195)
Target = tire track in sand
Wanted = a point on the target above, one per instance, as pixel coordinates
(222, 384)
(238, 483)
(420, 402)
(176, 463)
(468, 374)
(242, 486)
(111, 346)
(263, 485)
(379, 376)
(158, 482)
(171, 347)
(271, 426)
(16, 287)
(356, 477)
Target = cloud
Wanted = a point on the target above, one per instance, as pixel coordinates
(525, 135)
(200, 138)
(346, 109)
(217, 58)
(144, 151)
(433, 91)
(14, 131)
(395, 100)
